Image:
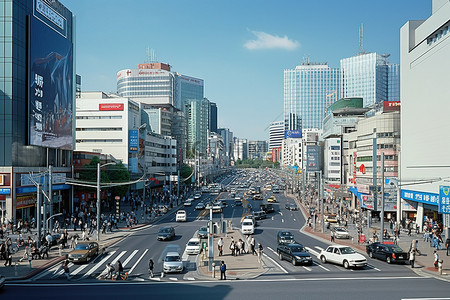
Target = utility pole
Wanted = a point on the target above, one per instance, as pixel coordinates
(98, 201)
(50, 194)
(211, 240)
(322, 221)
(38, 214)
(382, 199)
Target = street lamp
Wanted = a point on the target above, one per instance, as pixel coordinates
(98, 195)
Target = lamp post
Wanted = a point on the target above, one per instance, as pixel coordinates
(98, 196)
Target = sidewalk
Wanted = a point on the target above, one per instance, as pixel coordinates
(423, 263)
(244, 266)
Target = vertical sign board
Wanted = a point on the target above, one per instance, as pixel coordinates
(133, 141)
(312, 158)
(50, 80)
(444, 200)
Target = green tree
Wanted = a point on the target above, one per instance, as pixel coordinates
(185, 171)
(119, 173)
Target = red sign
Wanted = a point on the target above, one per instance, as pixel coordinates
(110, 106)
(389, 106)
(362, 169)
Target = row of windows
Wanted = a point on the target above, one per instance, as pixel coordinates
(369, 158)
(147, 93)
(101, 129)
(334, 164)
(438, 35)
(162, 83)
(98, 117)
(335, 147)
(100, 141)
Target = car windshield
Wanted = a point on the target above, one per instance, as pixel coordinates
(396, 249)
(340, 229)
(203, 229)
(165, 230)
(297, 249)
(347, 250)
(286, 234)
(247, 223)
(81, 247)
(193, 243)
(172, 258)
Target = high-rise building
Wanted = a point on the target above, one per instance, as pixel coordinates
(276, 134)
(213, 117)
(371, 77)
(257, 149)
(197, 115)
(37, 94)
(308, 90)
(240, 149)
(424, 160)
(227, 136)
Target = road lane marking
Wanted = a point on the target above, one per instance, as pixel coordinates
(140, 258)
(130, 257)
(279, 266)
(173, 278)
(98, 265)
(307, 269)
(78, 270)
(319, 248)
(59, 271)
(328, 270)
(312, 251)
(373, 267)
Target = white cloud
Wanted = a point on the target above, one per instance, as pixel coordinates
(268, 41)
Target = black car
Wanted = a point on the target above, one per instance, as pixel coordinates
(387, 251)
(166, 233)
(203, 232)
(259, 215)
(291, 206)
(294, 253)
(285, 237)
(268, 208)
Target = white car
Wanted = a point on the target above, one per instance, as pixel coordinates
(173, 263)
(340, 233)
(200, 206)
(181, 216)
(248, 226)
(342, 255)
(193, 246)
(197, 196)
(187, 203)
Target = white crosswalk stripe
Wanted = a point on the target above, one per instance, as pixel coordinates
(79, 269)
(98, 265)
(129, 258)
(314, 252)
(61, 271)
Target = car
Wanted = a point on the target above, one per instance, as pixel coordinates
(257, 197)
(181, 216)
(272, 200)
(173, 263)
(285, 237)
(83, 252)
(166, 233)
(190, 199)
(291, 206)
(209, 205)
(294, 253)
(248, 226)
(342, 255)
(2, 281)
(238, 202)
(330, 219)
(259, 215)
(268, 208)
(340, 233)
(203, 232)
(187, 203)
(200, 206)
(193, 246)
(249, 216)
(197, 196)
(387, 251)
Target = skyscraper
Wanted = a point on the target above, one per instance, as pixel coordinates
(197, 116)
(371, 77)
(308, 90)
(276, 134)
(213, 117)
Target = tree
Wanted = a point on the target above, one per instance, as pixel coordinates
(185, 171)
(119, 173)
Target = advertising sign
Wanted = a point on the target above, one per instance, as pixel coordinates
(293, 134)
(133, 141)
(50, 88)
(427, 198)
(5, 191)
(389, 106)
(312, 158)
(2, 182)
(444, 200)
(110, 106)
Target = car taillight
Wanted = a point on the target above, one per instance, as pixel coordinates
(393, 255)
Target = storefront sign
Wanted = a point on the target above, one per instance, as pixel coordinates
(5, 191)
(25, 201)
(2, 181)
(444, 200)
(427, 198)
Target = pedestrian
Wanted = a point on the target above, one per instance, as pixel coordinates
(252, 245)
(436, 259)
(109, 271)
(447, 245)
(232, 247)
(150, 267)
(8, 260)
(412, 256)
(223, 269)
(220, 246)
(118, 269)
(66, 269)
(260, 252)
(332, 235)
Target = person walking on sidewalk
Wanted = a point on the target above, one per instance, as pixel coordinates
(252, 245)
(66, 269)
(447, 245)
(260, 252)
(412, 256)
(220, 246)
(223, 269)
(332, 235)
(150, 267)
(436, 259)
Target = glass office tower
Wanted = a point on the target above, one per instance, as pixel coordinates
(308, 90)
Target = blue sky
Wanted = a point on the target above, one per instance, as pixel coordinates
(239, 48)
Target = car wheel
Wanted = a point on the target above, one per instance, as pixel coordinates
(294, 262)
(280, 256)
(388, 260)
(323, 259)
(370, 254)
(346, 264)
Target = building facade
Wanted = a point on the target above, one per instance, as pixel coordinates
(227, 137)
(213, 117)
(240, 149)
(424, 53)
(308, 90)
(257, 149)
(197, 116)
(37, 94)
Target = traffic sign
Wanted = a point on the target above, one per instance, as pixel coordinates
(444, 200)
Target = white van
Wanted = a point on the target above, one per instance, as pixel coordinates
(248, 226)
(181, 216)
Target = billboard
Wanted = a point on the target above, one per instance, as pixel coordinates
(312, 158)
(389, 106)
(110, 106)
(133, 141)
(50, 87)
(293, 134)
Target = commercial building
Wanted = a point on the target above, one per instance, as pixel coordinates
(213, 117)
(369, 76)
(37, 93)
(227, 137)
(276, 136)
(425, 163)
(308, 90)
(197, 116)
(257, 149)
(292, 153)
(240, 149)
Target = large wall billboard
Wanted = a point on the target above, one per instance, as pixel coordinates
(51, 87)
(312, 158)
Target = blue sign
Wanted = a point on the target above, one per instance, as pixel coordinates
(428, 198)
(295, 134)
(5, 191)
(444, 200)
(133, 141)
(33, 189)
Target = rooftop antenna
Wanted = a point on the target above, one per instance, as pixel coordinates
(150, 57)
(306, 59)
(361, 48)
